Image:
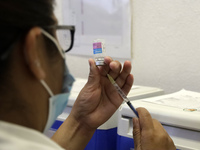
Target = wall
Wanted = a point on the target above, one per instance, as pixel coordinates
(166, 43)
(166, 39)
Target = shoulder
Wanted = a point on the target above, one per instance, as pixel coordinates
(14, 137)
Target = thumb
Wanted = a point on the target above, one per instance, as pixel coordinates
(94, 75)
(136, 134)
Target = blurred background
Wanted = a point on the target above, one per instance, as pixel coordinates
(160, 38)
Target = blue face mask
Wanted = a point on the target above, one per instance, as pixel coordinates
(57, 103)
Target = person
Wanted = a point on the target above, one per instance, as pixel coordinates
(35, 85)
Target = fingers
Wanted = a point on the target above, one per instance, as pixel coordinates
(94, 76)
(161, 135)
(128, 84)
(157, 125)
(150, 133)
(145, 119)
(105, 69)
(122, 78)
(114, 68)
(136, 134)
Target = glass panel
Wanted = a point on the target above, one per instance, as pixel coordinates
(64, 38)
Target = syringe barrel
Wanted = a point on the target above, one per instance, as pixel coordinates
(121, 93)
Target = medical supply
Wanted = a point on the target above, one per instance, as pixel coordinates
(99, 51)
(182, 126)
(122, 94)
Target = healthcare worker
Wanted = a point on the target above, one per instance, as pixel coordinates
(35, 84)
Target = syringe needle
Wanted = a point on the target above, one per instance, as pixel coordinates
(122, 94)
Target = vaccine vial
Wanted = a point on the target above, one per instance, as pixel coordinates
(99, 51)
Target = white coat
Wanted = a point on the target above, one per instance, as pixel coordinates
(16, 137)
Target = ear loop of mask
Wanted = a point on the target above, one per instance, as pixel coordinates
(54, 41)
(62, 54)
(47, 88)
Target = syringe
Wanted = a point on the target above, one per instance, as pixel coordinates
(122, 94)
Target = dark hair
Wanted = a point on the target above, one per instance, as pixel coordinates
(18, 16)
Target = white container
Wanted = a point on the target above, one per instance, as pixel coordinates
(182, 126)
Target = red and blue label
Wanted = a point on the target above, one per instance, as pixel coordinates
(97, 48)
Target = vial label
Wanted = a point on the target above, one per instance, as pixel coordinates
(99, 51)
(97, 45)
(97, 48)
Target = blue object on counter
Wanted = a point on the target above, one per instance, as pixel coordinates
(103, 139)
